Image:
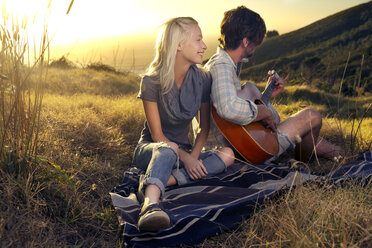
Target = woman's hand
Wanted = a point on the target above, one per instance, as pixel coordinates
(194, 167)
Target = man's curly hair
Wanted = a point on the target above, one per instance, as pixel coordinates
(239, 23)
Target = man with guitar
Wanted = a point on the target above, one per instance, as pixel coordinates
(242, 31)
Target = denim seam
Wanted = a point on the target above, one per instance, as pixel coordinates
(163, 145)
(156, 182)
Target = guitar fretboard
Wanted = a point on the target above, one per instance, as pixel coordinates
(270, 88)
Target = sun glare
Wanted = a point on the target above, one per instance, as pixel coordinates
(86, 20)
(23, 8)
(31, 14)
(96, 19)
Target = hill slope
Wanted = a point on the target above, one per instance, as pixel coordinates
(320, 51)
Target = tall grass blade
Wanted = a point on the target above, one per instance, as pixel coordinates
(69, 7)
(20, 95)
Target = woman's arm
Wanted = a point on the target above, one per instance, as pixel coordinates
(194, 167)
(153, 120)
(202, 136)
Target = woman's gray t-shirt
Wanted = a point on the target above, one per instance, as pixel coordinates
(185, 100)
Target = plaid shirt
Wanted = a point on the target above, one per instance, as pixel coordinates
(229, 106)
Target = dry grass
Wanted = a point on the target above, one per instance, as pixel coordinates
(89, 140)
(87, 81)
(309, 216)
(82, 138)
(84, 125)
(61, 151)
(86, 144)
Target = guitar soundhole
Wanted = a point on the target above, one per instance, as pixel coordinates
(258, 102)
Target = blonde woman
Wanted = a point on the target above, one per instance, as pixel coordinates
(173, 91)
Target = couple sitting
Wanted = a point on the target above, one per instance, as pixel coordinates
(173, 92)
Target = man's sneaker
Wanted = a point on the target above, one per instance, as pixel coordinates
(152, 218)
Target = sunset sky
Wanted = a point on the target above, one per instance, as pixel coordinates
(136, 21)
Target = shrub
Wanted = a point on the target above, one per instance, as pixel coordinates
(62, 63)
(98, 66)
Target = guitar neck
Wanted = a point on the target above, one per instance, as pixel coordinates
(269, 89)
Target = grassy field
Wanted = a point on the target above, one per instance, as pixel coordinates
(67, 135)
(90, 122)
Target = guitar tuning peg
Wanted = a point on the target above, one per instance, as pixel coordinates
(273, 72)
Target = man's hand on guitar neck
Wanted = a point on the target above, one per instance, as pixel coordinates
(279, 85)
(266, 115)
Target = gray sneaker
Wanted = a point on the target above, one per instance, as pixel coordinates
(152, 218)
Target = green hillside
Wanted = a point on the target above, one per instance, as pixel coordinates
(318, 53)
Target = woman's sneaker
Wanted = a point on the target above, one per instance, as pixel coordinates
(152, 218)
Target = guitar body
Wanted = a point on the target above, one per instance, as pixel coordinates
(254, 142)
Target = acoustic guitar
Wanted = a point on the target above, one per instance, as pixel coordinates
(254, 142)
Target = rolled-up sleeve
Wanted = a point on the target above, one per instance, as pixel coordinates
(148, 90)
(224, 98)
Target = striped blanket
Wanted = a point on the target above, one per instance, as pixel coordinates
(211, 206)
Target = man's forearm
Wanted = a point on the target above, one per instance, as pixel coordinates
(263, 113)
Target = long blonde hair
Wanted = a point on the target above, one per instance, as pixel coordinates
(173, 32)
